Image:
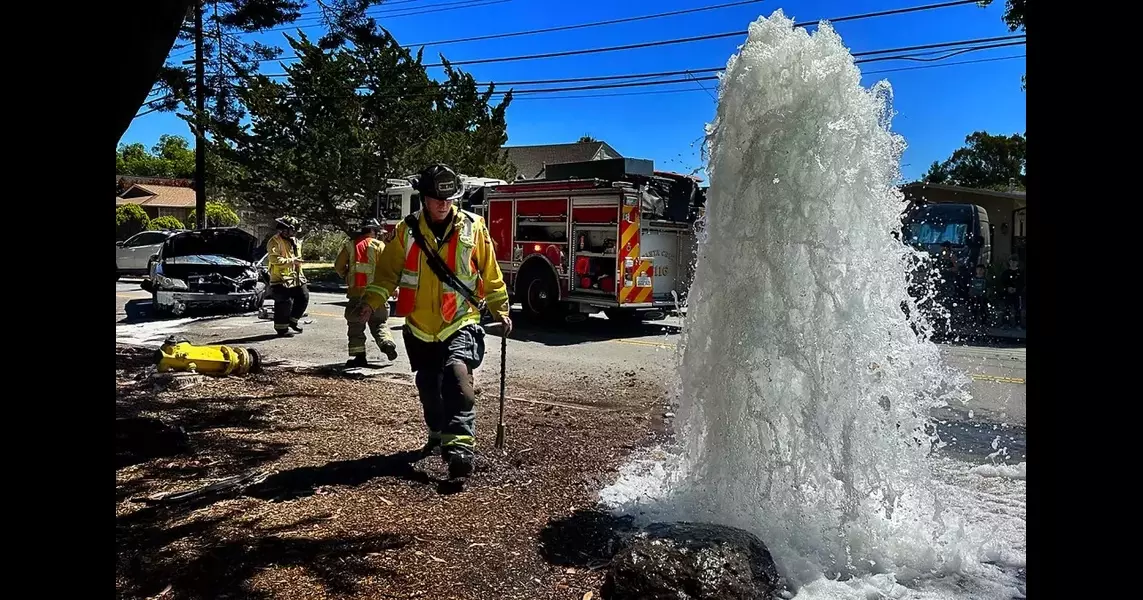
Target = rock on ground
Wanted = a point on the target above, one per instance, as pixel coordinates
(692, 561)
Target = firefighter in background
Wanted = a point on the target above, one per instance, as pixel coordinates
(356, 263)
(287, 281)
(442, 333)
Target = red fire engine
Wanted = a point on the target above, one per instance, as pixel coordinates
(611, 235)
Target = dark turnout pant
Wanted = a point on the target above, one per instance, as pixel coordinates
(289, 305)
(445, 383)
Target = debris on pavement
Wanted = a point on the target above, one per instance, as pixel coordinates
(229, 486)
(174, 381)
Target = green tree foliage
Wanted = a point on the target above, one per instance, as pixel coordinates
(986, 161)
(1014, 18)
(218, 214)
(167, 222)
(231, 54)
(586, 139)
(321, 143)
(171, 157)
(1013, 13)
(323, 246)
(129, 220)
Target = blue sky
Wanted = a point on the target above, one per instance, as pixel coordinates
(936, 107)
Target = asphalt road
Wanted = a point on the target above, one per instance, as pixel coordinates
(589, 363)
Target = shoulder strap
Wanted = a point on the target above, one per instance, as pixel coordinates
(438, 266)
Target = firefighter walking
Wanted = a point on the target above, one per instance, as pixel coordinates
(442, 263)
(287, 280)
(356, 263)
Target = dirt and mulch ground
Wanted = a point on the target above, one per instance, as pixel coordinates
(341, 510)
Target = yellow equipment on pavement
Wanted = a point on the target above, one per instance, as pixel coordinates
(181, 355)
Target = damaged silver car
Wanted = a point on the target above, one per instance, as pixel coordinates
(218, 267)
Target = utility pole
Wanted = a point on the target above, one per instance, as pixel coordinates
(200, 110)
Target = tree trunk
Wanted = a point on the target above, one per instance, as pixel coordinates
(154, 26)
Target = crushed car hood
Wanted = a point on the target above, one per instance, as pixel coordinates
(215, 246)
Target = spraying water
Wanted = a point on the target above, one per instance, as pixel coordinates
(805, 396)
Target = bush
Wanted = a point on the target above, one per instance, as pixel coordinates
(218, 214)
(323, 246)
(167, 222)
(129, 220)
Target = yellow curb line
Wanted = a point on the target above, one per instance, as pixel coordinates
(999, 379)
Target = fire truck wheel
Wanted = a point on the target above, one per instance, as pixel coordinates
(541, 295)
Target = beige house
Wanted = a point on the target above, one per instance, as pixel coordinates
(160, 200)
(1006, 214)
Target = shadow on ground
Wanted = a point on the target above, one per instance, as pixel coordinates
(216, 438)
(250, 339)
(588, 537)
(139, 311)
(592, 329)
(228, 564)
(304, 481)
(341, 371)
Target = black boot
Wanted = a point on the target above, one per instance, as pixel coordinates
(284, 333)
(358, 360)
(459, 466)
(389, 349)
(296, 327)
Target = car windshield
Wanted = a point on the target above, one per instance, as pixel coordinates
(205, 259)
(925, 233)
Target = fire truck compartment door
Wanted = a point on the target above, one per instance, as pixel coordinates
(663, 248)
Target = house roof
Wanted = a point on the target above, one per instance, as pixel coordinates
(530, 161)
(165, 196)
(919, 185)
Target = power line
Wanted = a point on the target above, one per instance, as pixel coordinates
(857, 17)
(950, 54)
(521, 93)
(566, 27)
(699, 38)
(717, 69)
(962, 62)
(677, 91)
(383, 8)
(418, 11)
(151, 102)
(307, 13)
(497, 36)
(691, 76)
(480, 61)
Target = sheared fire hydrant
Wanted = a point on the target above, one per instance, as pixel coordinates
(181, 355)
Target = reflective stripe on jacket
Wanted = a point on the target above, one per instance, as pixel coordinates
(356, 263)
(282, 252)
(432, 309)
